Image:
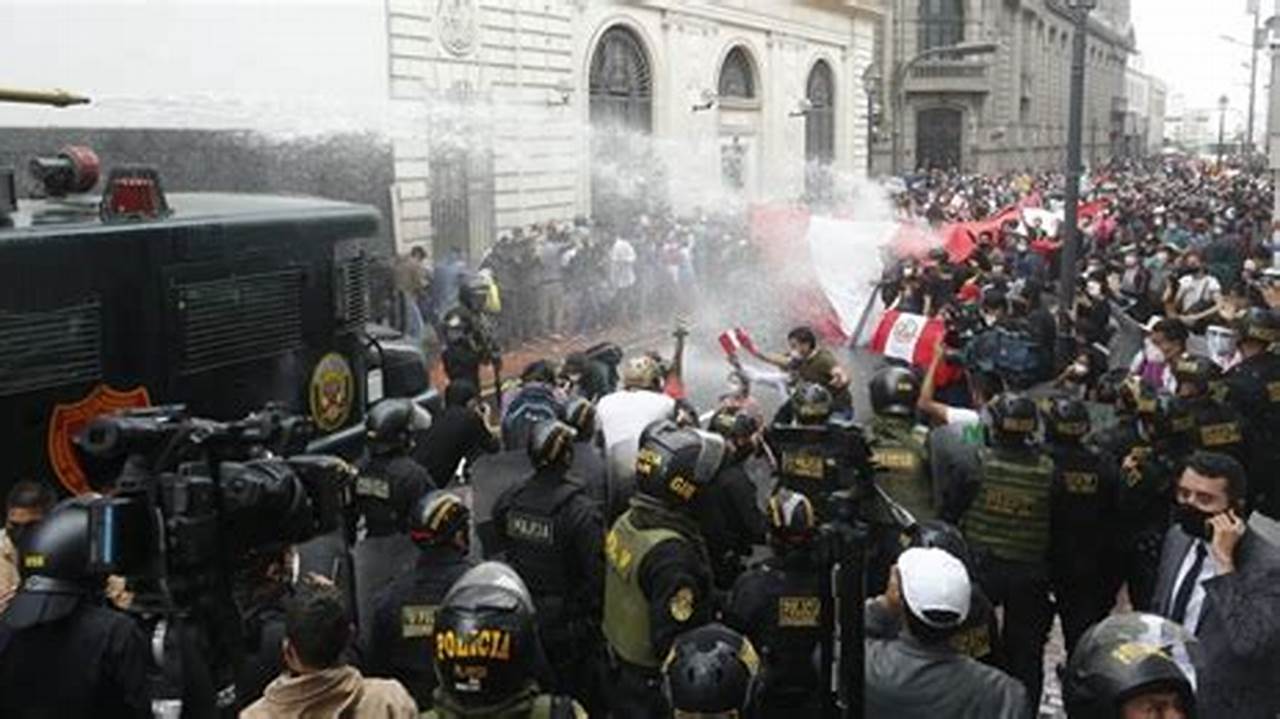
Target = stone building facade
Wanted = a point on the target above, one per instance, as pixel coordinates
(1007, 108)
(509, 112)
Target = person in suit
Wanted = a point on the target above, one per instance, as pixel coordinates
(1221, 580)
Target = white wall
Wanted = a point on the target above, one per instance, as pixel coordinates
(542, 167)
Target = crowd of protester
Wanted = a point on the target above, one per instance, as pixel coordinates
(652, 558)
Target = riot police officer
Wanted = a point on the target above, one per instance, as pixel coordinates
(588, 459)
(1148, 473)
(487, 656)
(401, 643)
(817, 453)
(470, 338)
(1132, 665)
(390, 481)
(550, 532)
(898, 447)
(389, 485)
(712, 671)
(1005, 514)
(1253, 389)
(1218, 426)
(1083, 504)
(61, 653)
(658, 580)
(778, 604)
(732, 522)
(1131, 399)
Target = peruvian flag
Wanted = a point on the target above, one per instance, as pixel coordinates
(912, 338)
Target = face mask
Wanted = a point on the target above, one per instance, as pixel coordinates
(15, 532)
(1153, 354)
(1094, 289)
(1131, 262)
(1193, 521)
(1022, 247)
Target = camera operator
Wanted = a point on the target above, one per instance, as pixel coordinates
(62, 652)
(918, 674)
(26, 504)
(316, 682)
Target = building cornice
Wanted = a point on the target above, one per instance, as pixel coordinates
(731, 17)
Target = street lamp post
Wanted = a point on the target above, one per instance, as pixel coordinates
(1222, 122)
(871, 81)
(899, 90)
(1075, 121)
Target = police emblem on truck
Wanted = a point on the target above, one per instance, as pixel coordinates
(332, 392)
(67, 420)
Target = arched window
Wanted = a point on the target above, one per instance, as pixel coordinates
(820, 121)
(621, 91)
(737, 76)
(941, 23)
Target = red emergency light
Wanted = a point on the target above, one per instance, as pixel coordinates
(133, 193)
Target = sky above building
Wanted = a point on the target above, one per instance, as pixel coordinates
(289, 66)
(1180, 42)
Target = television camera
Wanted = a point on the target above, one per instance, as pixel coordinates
(187, 500)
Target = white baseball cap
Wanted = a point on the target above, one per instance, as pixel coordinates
(934, 581)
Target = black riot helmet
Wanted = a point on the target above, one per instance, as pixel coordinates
(712, 671)
(437, 517)
(486, 648)
(54, 564)
(937, 534)
(1125, 656)
(811, 403)
(551, 444)
(1259, 324)
(1067, 420)
(675, 463)
(733, 423)
(894, 391)
(580, 413)
(1127, 393)
(389, 425)
(791, 520)
(1196, 375)
(1012, 420)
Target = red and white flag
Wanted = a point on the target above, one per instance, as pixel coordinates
(912, 338)
(906, 336)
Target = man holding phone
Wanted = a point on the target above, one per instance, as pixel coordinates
(1221, 580)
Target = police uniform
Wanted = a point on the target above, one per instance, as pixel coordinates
(779, 606)
(1219, 428)
(1007, 523)
(1143, 494)
(1083, 518)
(818, 460)
(731, 522)
(386, 490)
(901, 463)
(1253, 389)
(400, 646)
(658, 584)
(552, 534)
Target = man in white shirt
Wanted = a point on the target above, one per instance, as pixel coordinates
(1222, 581)
(622, 416)
(1197, 290)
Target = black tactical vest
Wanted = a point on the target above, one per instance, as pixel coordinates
(535, 548)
